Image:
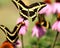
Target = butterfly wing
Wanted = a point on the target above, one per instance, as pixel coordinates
(35, 8)
(4, 29)
(15, 3)
(31, 10)
(11, 36)
(14, 36)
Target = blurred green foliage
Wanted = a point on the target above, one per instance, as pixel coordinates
(4, 2)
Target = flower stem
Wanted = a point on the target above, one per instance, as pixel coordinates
(55, 40)
(38, 42)
(22, 41)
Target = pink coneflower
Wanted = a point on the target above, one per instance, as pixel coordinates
(56, 25)
(56, 9)
(48, 9)
(56, 6)
(38, 31)
(23, 29)
(24, 26)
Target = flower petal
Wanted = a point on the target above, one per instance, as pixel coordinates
(38, 31)
(54, 26)
(23, 30)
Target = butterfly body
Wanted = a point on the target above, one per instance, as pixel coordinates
(44, 23)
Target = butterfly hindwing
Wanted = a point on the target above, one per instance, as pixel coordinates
(4, 29)
(11, 36)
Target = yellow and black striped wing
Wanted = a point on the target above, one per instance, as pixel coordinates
(29, 11)
(5, 29)
(11, 36)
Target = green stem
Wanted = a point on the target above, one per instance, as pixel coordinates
(55, 40)
(38, 42)
(22, 41)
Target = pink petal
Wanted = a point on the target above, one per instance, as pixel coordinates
(58, 27)
(46, 10)
(38, 31)
(26, 23)
(56, 7)
(19, 20)
(42, 11)
(23, 30)
(49, 10)
(35, 31)
(54, 26)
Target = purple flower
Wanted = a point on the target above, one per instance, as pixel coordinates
(56, 7)
(46, 10)
(38, 31)
(24, 27)
(56, 26)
